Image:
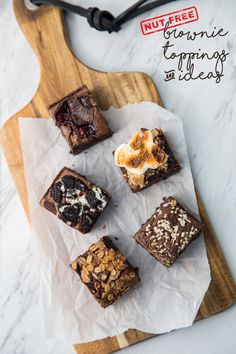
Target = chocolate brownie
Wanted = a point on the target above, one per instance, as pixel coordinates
(146, 159)
(75, 200)
(105, 271)
(168, 232)
(80, 120)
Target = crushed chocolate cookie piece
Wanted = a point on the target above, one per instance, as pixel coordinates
(56, 192)
(71, 212)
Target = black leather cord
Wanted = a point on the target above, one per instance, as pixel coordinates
(145, 8)
(103, 20)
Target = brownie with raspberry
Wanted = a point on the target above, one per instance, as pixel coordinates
(80, 120)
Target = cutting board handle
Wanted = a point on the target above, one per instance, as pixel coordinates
(44, 30)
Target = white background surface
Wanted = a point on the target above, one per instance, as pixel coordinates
(208, 113)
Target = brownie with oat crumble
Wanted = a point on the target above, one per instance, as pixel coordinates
(169, 231)
(105, 271)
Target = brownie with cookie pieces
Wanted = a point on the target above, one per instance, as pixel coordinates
(169, 231)
(105, 271)
(75, 200)
(80, 120)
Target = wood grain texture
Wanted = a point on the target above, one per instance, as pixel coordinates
(61, 73)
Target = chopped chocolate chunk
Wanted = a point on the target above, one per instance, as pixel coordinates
(75, 200)
(80, 120)
(81, 110)
(105, 271)
(168, 232)
(146, 159)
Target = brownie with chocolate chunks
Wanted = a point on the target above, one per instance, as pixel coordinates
(169, 231)
(80, 120)
(75, 200)
(105, 271)
(146, 159)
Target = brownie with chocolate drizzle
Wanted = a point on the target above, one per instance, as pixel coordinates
(75, 200)
(169, 231)
(80, 120)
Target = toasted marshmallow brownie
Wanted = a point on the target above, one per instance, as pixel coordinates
(146, 159)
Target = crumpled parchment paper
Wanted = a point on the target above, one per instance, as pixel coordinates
(165, 299)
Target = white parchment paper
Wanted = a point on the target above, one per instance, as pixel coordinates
(165, 299)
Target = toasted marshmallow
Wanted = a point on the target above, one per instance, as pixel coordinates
(143, 138)
(140, 153)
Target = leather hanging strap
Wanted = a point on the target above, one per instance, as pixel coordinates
(103, 20)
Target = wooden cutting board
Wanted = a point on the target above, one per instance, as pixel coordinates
(61, 73)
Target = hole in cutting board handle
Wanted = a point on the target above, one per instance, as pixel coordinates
(30, 6)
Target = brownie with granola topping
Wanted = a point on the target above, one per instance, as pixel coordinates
(105, 271)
